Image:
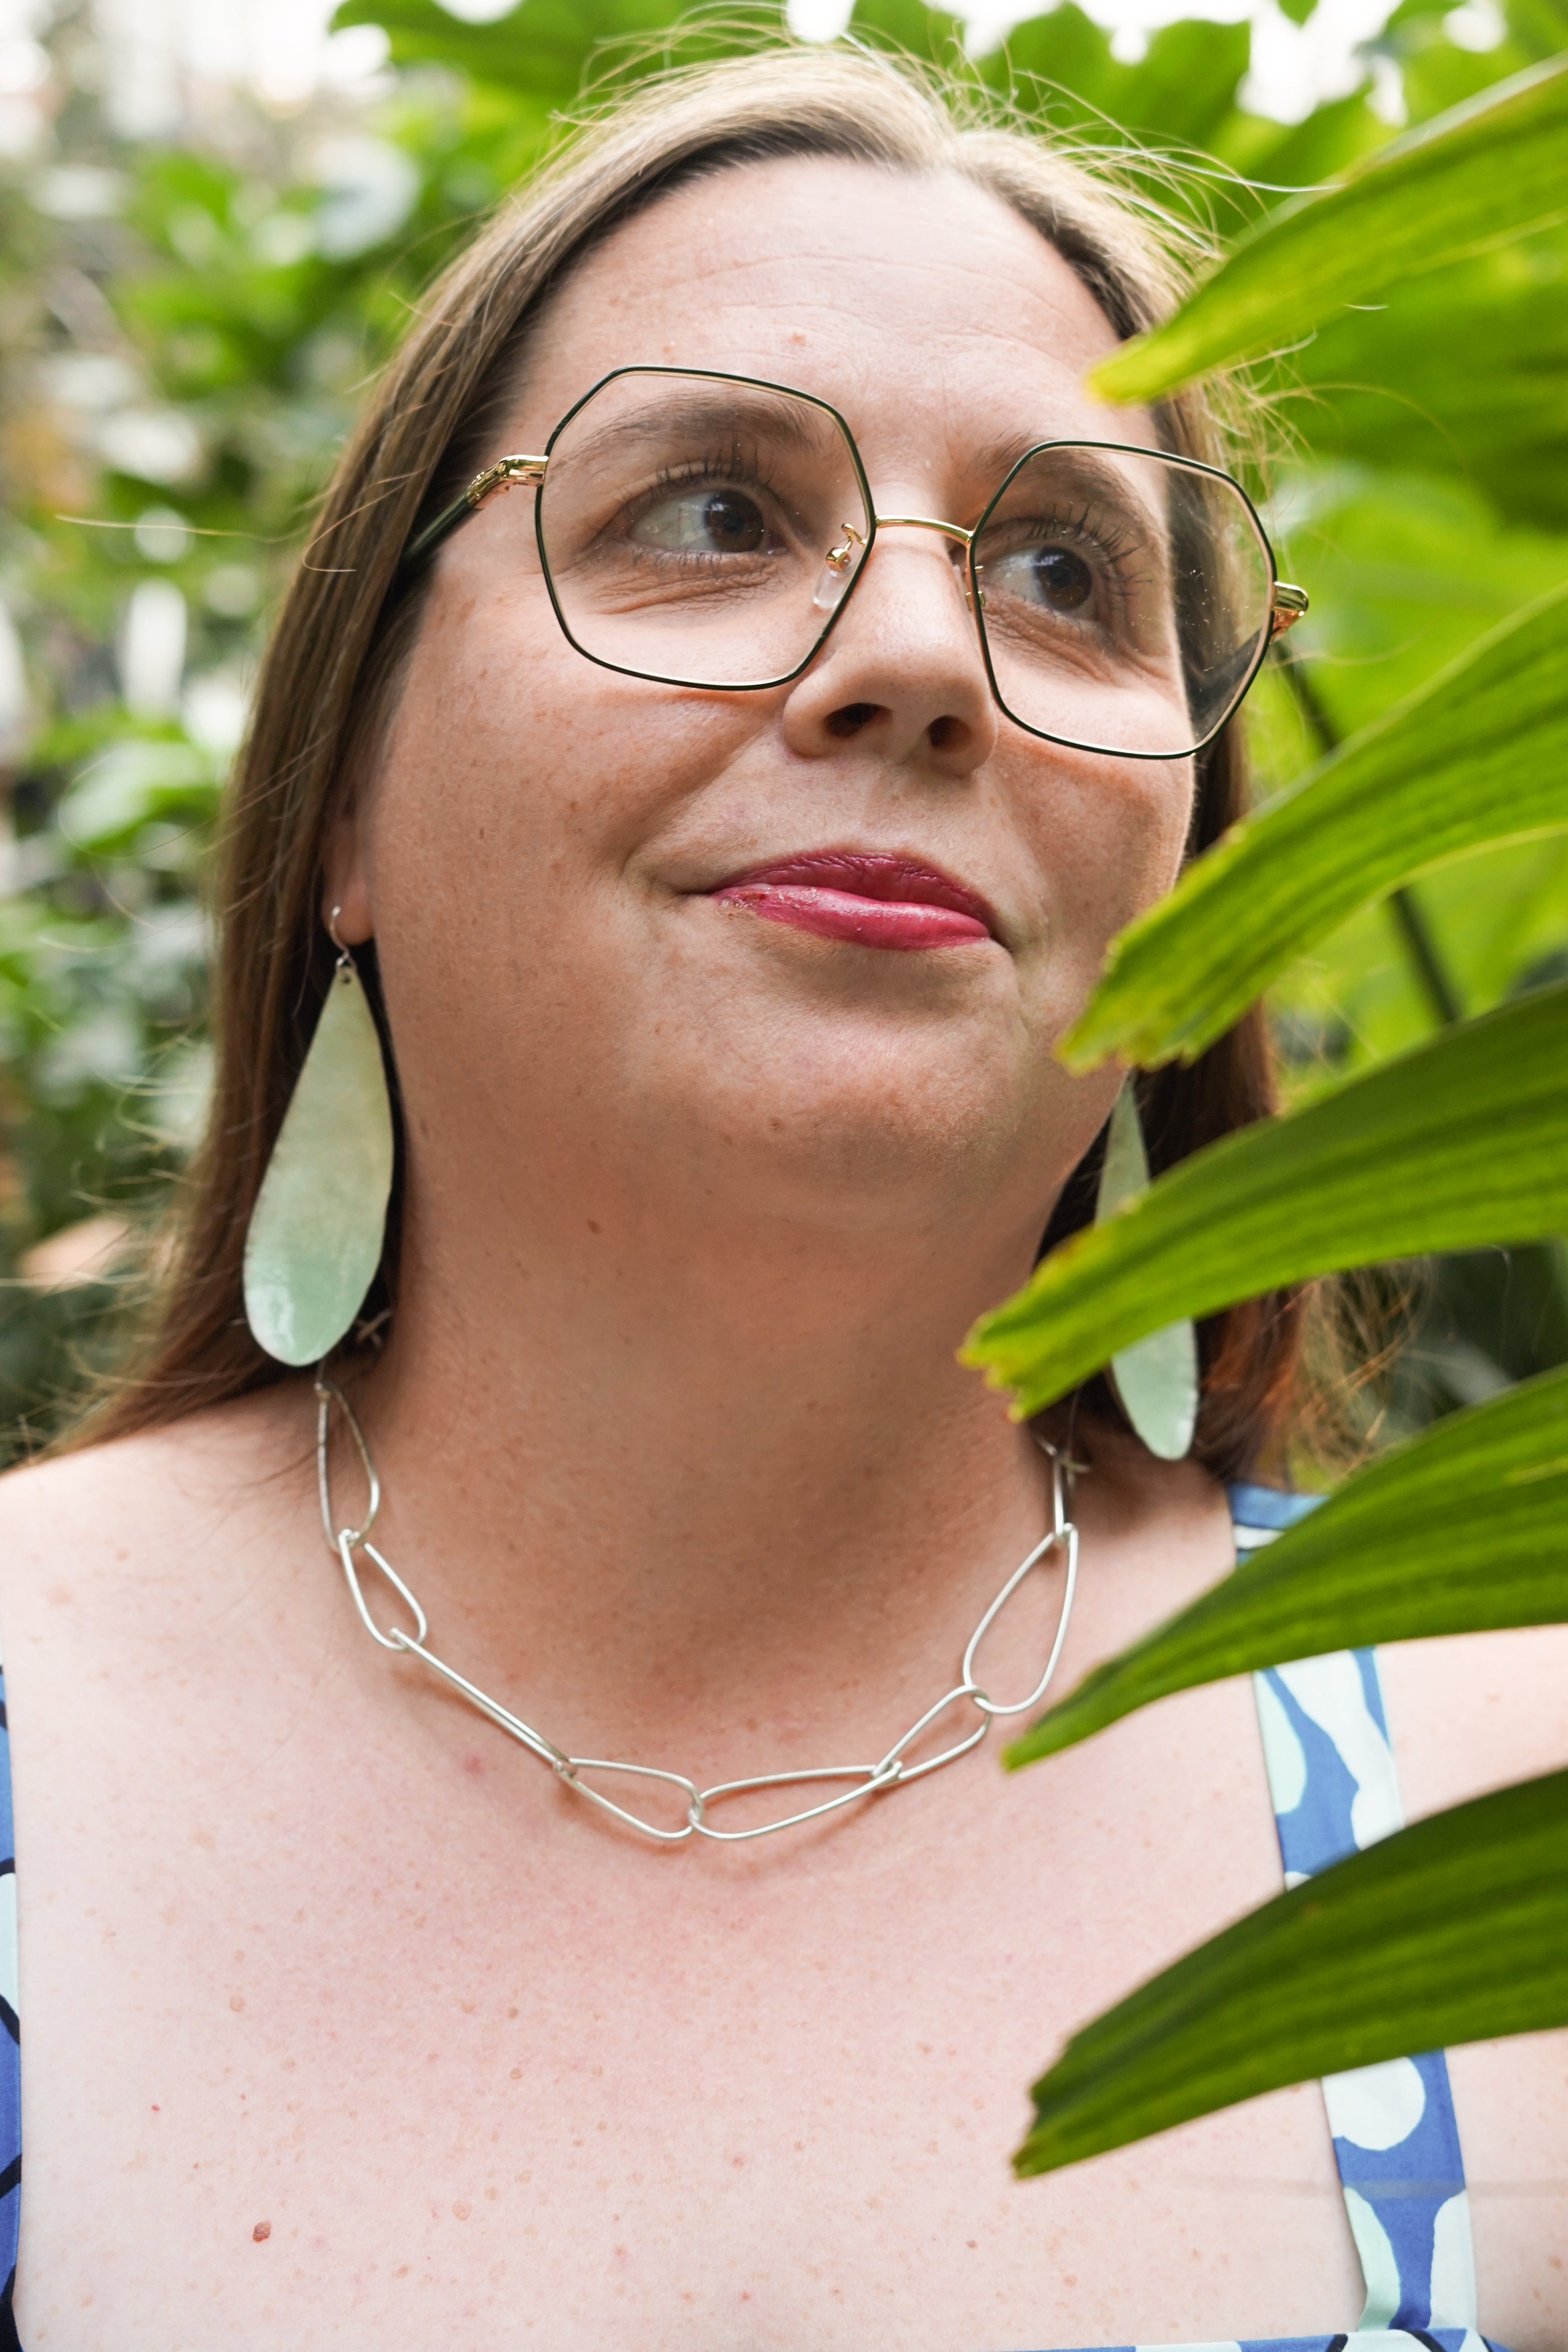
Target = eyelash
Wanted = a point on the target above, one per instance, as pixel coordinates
(1119, 550)
(1061, 523)
(729, 467)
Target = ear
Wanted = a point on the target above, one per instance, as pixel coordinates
(348, 883)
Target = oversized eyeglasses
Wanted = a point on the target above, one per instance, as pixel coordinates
(709, 531)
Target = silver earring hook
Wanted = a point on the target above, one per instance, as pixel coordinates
(345, 956)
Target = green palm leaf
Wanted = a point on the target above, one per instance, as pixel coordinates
(1461, 1143)
(1462, 1528)
(1480, 755)
(1451, 1931)
(1483, 174)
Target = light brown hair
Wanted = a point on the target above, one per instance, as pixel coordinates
(330, 676)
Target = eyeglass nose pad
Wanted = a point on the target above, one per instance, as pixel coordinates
(838, 569)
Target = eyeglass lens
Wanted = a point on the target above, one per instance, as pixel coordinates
(1124, 597)
(705, 530)
(686, 527)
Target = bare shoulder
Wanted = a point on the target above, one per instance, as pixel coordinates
(1476, 1711)
(113, 1519)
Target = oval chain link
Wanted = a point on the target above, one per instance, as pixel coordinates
(867, 1779)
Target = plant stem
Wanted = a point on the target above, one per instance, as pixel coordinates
(1425, 960)
(1422, 953)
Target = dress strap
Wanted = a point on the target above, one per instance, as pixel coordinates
(1331, 1776)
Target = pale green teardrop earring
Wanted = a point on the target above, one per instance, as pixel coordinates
(315, 1231)
(1155, 1379)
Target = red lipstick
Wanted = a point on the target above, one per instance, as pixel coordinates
(869, 896)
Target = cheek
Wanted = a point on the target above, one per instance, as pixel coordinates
(519, 791)
(1141, 850)
(1162, 801)
(1109, 839)
(517, 771)
(488, 763)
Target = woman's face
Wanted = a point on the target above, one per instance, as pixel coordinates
(586, 1029)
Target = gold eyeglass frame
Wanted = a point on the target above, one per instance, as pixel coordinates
(1286, 602)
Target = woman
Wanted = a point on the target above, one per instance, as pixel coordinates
(719, 1016)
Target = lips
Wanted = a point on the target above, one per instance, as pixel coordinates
(869, 896)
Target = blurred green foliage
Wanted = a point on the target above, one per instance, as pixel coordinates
(185, 320)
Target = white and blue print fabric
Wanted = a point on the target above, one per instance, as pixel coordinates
(1331, 1778)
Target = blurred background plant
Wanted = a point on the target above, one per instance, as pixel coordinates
(214, 217)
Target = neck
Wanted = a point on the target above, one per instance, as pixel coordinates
(689, 1492)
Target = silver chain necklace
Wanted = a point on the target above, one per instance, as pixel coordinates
(867, 1779)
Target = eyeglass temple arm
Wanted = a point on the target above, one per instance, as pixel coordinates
(505, 474)
(1289, 605)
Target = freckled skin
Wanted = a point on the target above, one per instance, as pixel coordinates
(678, 1454)
(666, 790)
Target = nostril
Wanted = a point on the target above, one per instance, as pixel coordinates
(852, 718)
(946, 734)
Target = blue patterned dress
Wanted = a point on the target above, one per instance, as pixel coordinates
(1331, 1772)
(1331, 1778)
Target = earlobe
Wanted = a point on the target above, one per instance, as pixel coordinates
(347, 906)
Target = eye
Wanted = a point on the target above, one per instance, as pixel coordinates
(1061, 579)
(1050, 577)
(705, 521)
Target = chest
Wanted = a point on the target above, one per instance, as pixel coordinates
(352, 2037)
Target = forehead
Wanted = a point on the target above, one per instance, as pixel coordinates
(925, 308)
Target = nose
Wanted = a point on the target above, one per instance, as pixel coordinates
(903, 670)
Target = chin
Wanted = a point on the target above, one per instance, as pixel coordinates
(844, 1123)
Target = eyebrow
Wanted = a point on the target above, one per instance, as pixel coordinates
(1094, 464)
(784, 417)
(799, 423)
(996, 460)
(1097, 474)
